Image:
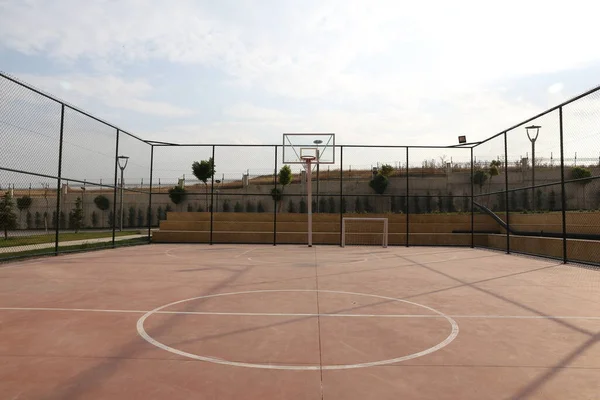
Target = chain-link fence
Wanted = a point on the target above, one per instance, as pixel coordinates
(70, 181)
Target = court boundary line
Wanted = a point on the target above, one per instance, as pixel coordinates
(274, 314)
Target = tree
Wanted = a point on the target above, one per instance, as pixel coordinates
(552, 200)
(46, 187)
(583, 177)
(450, 203)
(501, 197)
(190, 208)
(23, 203)
(131, 217)
(322, 204)
(386, 170)
(62, 220)
(226, 206)
(284, 178)
(368, 208)
(539, 199)
(417, 205)
(177, 194)
(238, 207)
(150, 216)
(428, 207)
(291, 207)
(8, 218)
(493, 170)
(440, 202)
(466, 202)
(103, 204)
(402, 204)
(514, 203)
(479, 178)
(260, 208)
(159, 214)
(203, 171)
(525, 199)
(140, 218)
(37, 220)
(344, 205)
(54, 220)
(77, 217)
(250, 206)
(303, 209)
(168, 209)
(331, 205)
(200, 208)
(28, 220)
(111, 219)
(379, 183)
(358, 208)
(94, 219)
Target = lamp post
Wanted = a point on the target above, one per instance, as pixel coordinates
(317, 142)
(123, 159)
(532, 133)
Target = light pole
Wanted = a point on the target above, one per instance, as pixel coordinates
(317, 142)
(125, 159)
(532, 133)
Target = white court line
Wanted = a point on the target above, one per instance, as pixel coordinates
(262, 314)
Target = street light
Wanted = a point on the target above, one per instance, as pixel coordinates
(532, 133)
(125, 159)
(317, 142)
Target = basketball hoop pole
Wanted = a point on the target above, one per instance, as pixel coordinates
(309, 195)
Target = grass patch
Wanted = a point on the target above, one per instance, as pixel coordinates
(71, 249)
(62, 237)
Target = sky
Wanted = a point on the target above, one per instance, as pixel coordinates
(372, 72)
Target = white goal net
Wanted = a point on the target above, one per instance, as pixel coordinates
(365, 232)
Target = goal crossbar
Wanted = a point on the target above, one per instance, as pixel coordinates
(383, 233)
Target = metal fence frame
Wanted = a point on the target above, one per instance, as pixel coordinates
(401, 149)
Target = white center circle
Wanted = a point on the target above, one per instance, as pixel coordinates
(142, 332)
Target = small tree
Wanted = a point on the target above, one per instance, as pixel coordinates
(368, 208)
(54, 220)
(190, 208)
(46, 187)
(177, 194)
(386, 170)
(539, 199)
(583, 176)
(260, 208)
(238, 207)
(203, 171)
(111, 219)
(428, 199)
(466, 205)
(23, 203)
(450, 203)
(417, 204)
(102, 203)
(250, 206)
(303, 208)
(514, 203)
(552, 200)
(291, 207)
(479, 178)
(440, 202)
(344, 205)
(8, 218)
(331, 205)
(150, 216)
(358, 208)
(62, 220)
(131, 217)
(226, 206)
(28, 220)
(140, 218)
(200, 208)
(168, 208)
(159, 214)
(94, 219)
(493, 170)
(501, 197)
(525, 199)
(37, 220)
(77, 218)
(322, 205)
(379, 183)
(402, 204)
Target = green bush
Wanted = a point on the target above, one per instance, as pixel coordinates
(379, 183)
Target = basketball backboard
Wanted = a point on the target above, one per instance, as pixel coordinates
(322, 145)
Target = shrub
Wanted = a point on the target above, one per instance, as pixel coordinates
(94, 219)
(322, 205)
(331, 204)
(379, 183)
(102, 202)
(8, 218)
(177, 194)
(260, 208)
(226, 206)
(190, 208)
(140, 218)
(28, 219)
(131, 217)
(250, 206)
(291, 207)
(37, 220)
(238, 207)
(303, 208)
(77, 218)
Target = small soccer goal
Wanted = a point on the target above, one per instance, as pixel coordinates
(364, 232)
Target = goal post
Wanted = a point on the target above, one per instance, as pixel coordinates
(364, 231)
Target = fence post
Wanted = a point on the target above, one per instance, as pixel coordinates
(149, 211)
(407, 198)
(275, 200)
(472, 203)
(563, 197)
(114, 219)
(506, 199)
(59, 181)
(212, 193)
(341, 191)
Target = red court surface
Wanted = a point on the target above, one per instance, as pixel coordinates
(292, 322)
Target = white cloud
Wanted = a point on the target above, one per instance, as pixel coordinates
(110, 90)
(556, 88)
